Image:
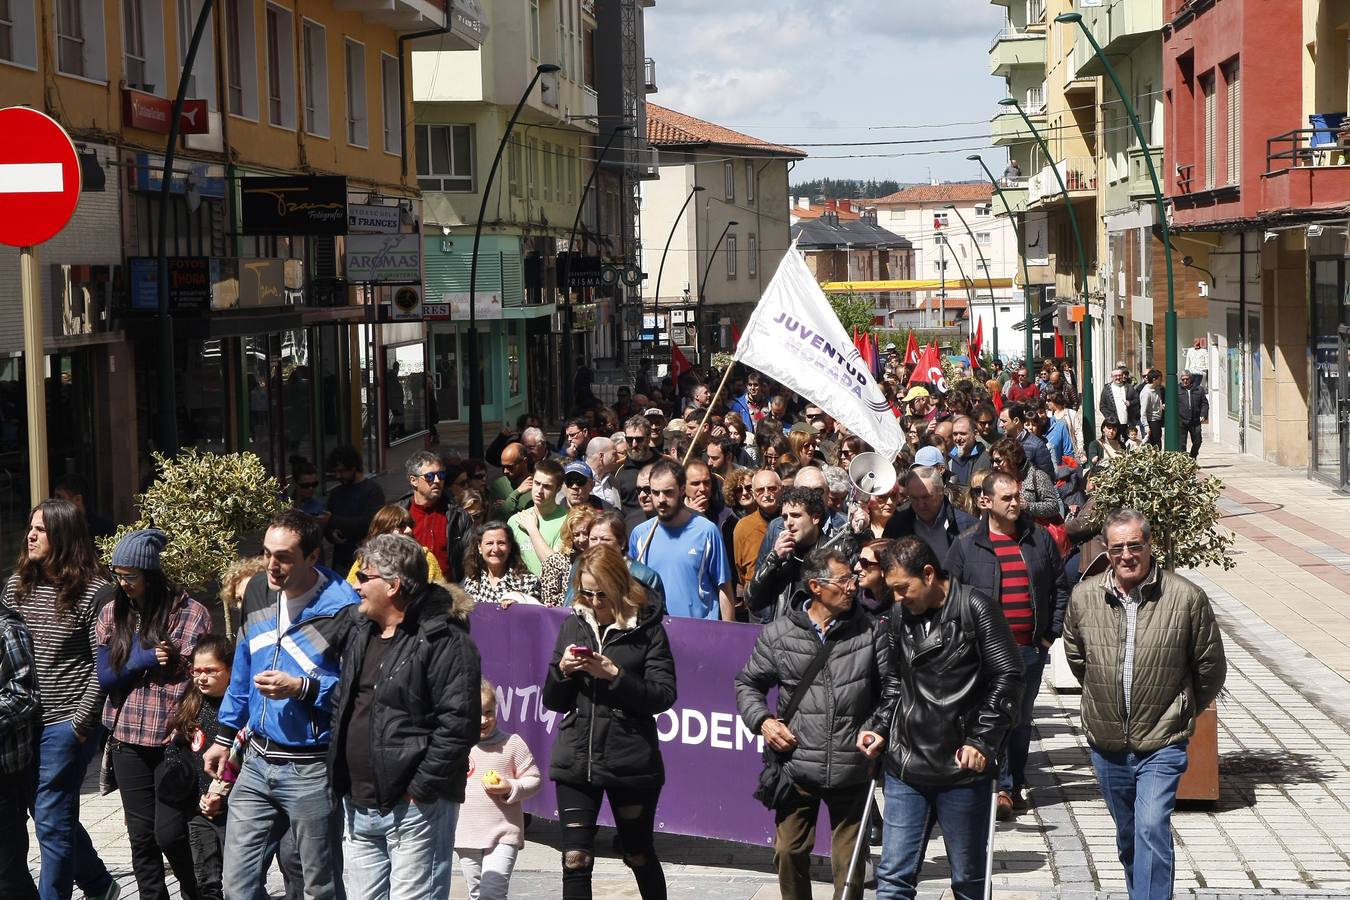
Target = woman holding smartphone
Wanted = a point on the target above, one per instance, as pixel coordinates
(611, 674)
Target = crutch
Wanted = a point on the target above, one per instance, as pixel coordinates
(861, 846)
(989, 848)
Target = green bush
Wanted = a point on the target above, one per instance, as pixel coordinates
(206, 503)
(1181, 505)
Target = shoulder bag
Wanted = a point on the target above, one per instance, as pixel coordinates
(775, 787)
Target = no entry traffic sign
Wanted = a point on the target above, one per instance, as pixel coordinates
(39, 177)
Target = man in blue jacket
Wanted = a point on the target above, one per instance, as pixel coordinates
(285, 670)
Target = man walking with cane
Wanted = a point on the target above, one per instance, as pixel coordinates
(952, 684)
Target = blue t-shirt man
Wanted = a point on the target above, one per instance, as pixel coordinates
(691, 559)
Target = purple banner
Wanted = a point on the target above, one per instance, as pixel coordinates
(712, 760)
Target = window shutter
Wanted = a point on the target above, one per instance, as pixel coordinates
(1207, 85)
(1234, 124)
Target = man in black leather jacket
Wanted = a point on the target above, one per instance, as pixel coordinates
(951, 690)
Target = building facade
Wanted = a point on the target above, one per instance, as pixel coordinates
(843, 246)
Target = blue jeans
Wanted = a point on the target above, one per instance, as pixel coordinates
(68, 856)
(264, 792)
(1141, 791)
(1014, 772)
(963, 811)
(405, 854)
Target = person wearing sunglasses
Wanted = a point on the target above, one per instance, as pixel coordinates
(393, 519)
(304, 486)
(145, 640)
(611, 674)
(439, 523)
(1144, 644)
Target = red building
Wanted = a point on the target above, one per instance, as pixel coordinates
(1260, 192)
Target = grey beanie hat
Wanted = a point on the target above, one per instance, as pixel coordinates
(140, 549)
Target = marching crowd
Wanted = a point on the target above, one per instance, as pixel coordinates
(341, 727)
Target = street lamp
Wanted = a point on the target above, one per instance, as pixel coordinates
(1021, 247)
(572, 244)
(1087, 410)
(660, 269)
(475, 376)
(1171, 425)
(993, 305)
(698, 316)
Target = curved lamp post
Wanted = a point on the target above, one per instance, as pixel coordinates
(702, 282)
(1088, 402)
(475, 376)
(660, 270)
(572, 243)
(988, 279)
(1021, 248)
(1171, 429)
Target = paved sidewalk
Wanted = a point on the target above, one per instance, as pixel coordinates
(1284, 742)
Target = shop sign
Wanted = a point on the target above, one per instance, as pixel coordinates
(487, 305)
(582, 271)
(406, 304)
(244, 283)
(375, 258)
(435, 312)
(151, 113)
(372, 219)
(190, 283)
(206, 181)
(300, 204)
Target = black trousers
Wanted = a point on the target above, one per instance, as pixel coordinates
(1155, 432)
(16, 791)
(634, 818)
(206, 837)
(156, 830)
(1195, 432)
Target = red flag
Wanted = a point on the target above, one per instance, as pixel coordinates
(912, 350)
(929, 370)
(876, 356)
(1059, 343)
(735, 336)
(976, 342)
(679, 363)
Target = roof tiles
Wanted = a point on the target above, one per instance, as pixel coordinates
(668, 128)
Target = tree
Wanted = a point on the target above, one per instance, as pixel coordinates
(1181, 505)
(854, 312)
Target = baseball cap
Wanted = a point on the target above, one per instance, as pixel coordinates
(577, 467)
(914, 393)
(654, 412)
(928, 456)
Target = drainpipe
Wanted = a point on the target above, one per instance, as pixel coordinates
(1242, 341)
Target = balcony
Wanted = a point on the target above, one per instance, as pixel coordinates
(1011, 48)
(1119, 27)
(1307, 167)
(1080, 178)
(1008, 128)
(400, 15)
(649, 75)
(1140, 185)
(1014, 192)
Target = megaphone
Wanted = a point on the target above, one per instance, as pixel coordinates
(872, 473)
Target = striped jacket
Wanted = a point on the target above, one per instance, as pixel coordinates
(309, 648)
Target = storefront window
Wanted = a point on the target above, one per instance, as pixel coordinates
(405, 391)
(1326, 298)
(1234, 367)
(203, 410)
(258, 382)
(1254, 369)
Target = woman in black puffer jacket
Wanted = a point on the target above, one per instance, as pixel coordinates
(611, 674)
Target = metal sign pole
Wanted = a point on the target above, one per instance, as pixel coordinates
(35, 371)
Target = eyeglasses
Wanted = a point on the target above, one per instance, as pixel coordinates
(432, 477)
(204, 670)
(593, 596)
(575, 482)
(364, 577)
(1116, 551)
(129, 577)
(644, 489)
(865, 563)
(996, 460)
(843, 580)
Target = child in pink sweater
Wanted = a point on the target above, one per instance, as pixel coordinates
(491, 828)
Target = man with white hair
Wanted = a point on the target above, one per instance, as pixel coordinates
(601, 457)
(536, 445)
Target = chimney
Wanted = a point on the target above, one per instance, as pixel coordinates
(831, 205)
(803, 202)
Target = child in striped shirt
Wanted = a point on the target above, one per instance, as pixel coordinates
(491, 827)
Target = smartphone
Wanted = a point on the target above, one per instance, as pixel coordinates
(581, 650)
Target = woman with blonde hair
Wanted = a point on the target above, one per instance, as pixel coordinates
(611, 673)
(394, 519)
(801, 446)
(232, 585)
(553, 576)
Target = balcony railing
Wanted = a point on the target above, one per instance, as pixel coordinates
(649, 74)
(1079, 174)
(1304, 147)
(1140, 184)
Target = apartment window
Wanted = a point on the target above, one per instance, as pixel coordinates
(1035, 97)
(729, 179)
(752, 256)
(983, 209)
(134, 63)
(445, 158)
(358, 126)
(731, 256)
(514, 175)
(391, 104)
(940, 220)
(17, 28)
(6, 31)
(1207, 90)
(241, 69)
(750, 183)
(984, 237)
(280, 67)
(315, 49)
(534, 30)
(547, 161)
(202, 80)
(1233, 121)
(79, 39)
(939, 239)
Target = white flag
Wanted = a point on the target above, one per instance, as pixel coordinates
(795, 338)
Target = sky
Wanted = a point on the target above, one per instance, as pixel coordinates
(810, 72)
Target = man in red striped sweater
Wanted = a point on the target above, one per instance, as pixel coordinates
(1015, 561)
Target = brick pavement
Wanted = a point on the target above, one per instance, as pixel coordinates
(1284, 740)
